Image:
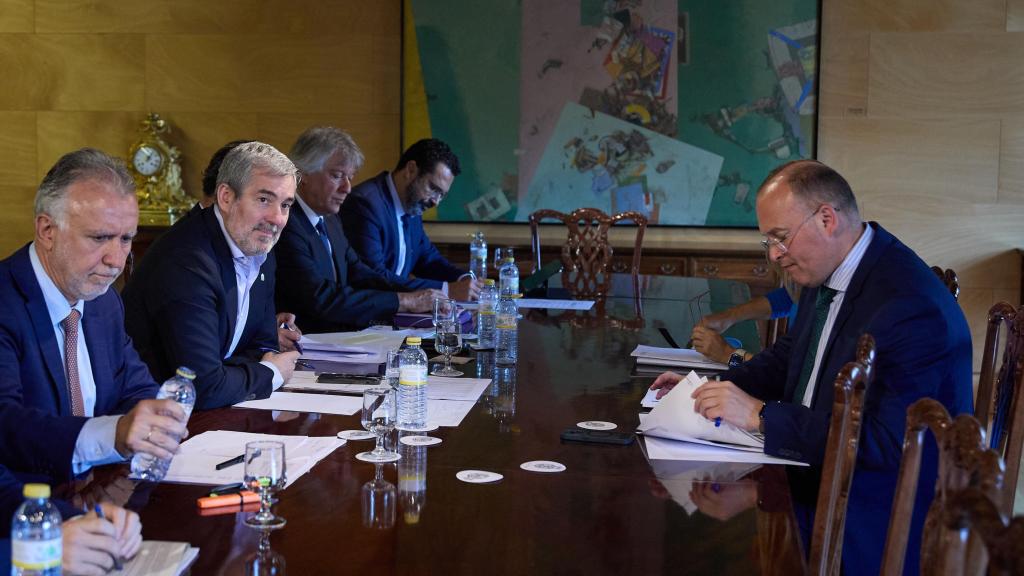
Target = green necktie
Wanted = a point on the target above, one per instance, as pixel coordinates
(821, 306)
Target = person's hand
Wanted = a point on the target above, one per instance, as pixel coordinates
(418, 301)
(665, 383)
(725, 400)
(464, 290)
(710, 343)
(285, 362)
(726, 500)
(89, 545)
(287, 332)
(155, 427)
(127, 529)
(719, 321)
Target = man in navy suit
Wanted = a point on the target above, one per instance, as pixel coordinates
(203, 296)
(320, 277)
(858, 279)
(383, 221)
(73, 392)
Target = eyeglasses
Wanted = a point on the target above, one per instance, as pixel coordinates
(783, 244)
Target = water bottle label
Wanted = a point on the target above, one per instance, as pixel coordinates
(412, 376)
(506, 321)
(489, 311)
(36, 554)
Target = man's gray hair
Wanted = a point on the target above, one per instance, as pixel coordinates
(84, 164)
(245, 159)
(317, 144)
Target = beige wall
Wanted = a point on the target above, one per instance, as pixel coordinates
(85, 72)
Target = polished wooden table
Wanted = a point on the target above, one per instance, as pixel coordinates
(606, 514)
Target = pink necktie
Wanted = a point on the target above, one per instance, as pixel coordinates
(70, 325)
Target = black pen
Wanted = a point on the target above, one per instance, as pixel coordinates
(229, 463)
(301, 363)
(118, 564)
(228, 489)
(288, 327)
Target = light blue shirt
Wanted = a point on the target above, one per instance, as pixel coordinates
(399, 212)
(95, 442)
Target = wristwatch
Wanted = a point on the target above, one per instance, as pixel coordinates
(737, 357)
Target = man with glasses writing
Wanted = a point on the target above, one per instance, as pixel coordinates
(857, 278)
(382, 218)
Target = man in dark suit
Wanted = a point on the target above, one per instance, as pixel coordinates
(73, 392)
(203, 296)
(320, 277)
(383, 221)
(858, 279)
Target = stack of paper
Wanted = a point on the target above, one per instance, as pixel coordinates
(156, 558)
(675, 357)
(363, 347)
(197, 459)
(318, 403)
(542, 304)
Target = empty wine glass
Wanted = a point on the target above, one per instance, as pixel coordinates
(380, 411)
(448, 341)
(499, 259)
(378, 500)
(444, 309)
(265, 474)
(392, 368)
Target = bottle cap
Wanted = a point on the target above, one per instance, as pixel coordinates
(186, 372)
(489, 282)
(36, 491)
(413, 340)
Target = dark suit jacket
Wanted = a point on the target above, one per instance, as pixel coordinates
(923, 350)
(368, 216)
(181, 308)
(37, 430)
(322, 296)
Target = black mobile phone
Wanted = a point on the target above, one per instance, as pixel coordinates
(333, 378)
(576, 434)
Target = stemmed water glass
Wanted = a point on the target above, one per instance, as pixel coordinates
(444, 310)
(378, 500)
(448, 341)
(380, 412)
(499, 259)
(265, 474)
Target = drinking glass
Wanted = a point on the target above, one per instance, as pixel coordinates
(444, 309)
(380, 412)
(378, 500)
(392, 367)
(448, 341)
(265, 474)
(499, 257)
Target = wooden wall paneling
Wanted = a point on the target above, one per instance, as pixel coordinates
(376, 134)
(72, 72)
(199, 134)
(17, 16)
(920, 16)
(63, 132)
(1014, 15)
(844, 80)
(16, 221)
(18, 148)
(387, 65)
(943, 75)
(957, 159)
(1011, 162)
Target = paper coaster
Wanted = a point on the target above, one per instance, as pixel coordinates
(478, 476)
(597, 425)
(428, 428)
(356, 435)
(542, 466)
(365, 457)
(419, 440)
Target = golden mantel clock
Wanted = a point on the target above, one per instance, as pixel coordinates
(154, 165)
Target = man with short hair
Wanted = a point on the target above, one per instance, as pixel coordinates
(320, 277)
(73, 392)
(210, 174)
(858, 279)
(383, 221)
(203, 296)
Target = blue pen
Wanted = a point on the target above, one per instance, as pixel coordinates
(118, 565)
(718, 421)
(288, 327)
(301, 363)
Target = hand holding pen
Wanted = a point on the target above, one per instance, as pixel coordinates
(288, 334)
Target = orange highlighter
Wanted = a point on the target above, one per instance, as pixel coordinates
(234, 499)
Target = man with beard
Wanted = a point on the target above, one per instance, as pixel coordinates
(382, 218)
(203, 296)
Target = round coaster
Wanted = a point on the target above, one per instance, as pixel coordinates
(597, 425)
(356, 435)
(428, 428)
(365, 457)
(419, 440)
(543, 466)
(478, 476)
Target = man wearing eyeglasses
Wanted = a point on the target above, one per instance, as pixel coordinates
(858, 278)
(382, 218)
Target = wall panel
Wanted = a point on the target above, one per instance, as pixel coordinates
(17, 16)
(18, 148)
(1011, 161)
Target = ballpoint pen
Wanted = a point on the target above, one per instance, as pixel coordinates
(301, 363)
(288, 327)
(228, 463)
(118, 563)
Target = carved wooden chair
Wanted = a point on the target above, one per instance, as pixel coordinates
(586, 254)
(999, 406)
(840, 459)
(950, 279)
(964, 460)
(972, 511)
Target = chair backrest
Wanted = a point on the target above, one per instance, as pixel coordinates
(999, 407)
(840, 459)
(587, 254)
(950, 279)
(971, 509)
(964, 460)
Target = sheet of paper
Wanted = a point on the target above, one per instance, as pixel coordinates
(364, 346)
(156, 558)
(340, 388)
(542, 303)
(322, 403)
(196, 462)
(665, 449)
(465, 389)
(448, 413)
(682, 357)
(650, 399)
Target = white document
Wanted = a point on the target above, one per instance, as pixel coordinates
(196, 462)
(466, 389)
(665, 449)
(650, 400)
(542, 303)
(674, 418)
(449, 413)
(680, 357)
(156, 558)
(363, 347)
(293, 402)
(306, 381)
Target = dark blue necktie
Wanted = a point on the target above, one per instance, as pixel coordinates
(821, 306)
(321, 231)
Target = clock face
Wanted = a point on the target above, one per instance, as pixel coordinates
(147, 160)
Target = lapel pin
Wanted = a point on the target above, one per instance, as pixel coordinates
(261, 276)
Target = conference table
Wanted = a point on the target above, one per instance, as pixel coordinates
(609, 512)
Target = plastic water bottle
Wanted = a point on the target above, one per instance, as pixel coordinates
(478, 256)
(508, 336)
(509, 276)
(180, 389)
(505, 400)
(412, 482)
(486, 316)
(36, 543)
(412, 386)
